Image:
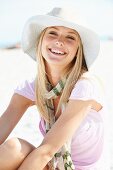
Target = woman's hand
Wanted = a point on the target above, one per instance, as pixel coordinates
(95, 105)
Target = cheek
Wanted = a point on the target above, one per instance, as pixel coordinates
(73, 50)
(46, 42)
(48, 39)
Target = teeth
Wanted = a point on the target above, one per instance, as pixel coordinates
(57, 51)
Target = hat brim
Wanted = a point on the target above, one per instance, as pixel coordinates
(36, 24)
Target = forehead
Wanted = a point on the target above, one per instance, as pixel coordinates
(64, 29)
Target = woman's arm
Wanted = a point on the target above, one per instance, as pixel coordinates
(12, 115)
(60, 132)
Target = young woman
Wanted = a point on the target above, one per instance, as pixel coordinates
(69, 101)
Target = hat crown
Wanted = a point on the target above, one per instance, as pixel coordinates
(55, 12)
(68, 14)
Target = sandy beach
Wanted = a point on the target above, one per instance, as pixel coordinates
(15, 67)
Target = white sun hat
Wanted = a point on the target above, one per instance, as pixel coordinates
(60, 17)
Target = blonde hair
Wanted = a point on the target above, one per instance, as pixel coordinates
(73, 72)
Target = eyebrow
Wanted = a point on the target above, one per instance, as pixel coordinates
(73, 33)
(54, 27)
(70, 32)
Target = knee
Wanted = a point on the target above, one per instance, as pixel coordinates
(14, 151)
(11, 153)
(12, 143)
(13, 146)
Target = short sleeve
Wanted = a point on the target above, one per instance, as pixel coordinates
(26, 89)
(86, 89)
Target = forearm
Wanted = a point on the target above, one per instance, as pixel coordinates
(37, 159)
(3, 132)
(68, 123)
(63, 129)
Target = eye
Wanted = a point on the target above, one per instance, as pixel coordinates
(71, 37)
(53, 33)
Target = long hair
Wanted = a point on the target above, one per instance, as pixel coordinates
(72, 72)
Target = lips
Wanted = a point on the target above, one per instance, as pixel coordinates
(57, 51)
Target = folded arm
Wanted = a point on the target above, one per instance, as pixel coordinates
(61, 131)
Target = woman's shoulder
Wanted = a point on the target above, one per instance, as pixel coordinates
(26, 88)
(89, 86)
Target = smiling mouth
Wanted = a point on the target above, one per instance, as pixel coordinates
(57, 52)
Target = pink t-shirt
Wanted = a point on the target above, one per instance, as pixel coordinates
(88, 145)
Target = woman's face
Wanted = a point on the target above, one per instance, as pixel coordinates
(59, 45)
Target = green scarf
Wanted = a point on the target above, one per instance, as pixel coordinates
(62, 159)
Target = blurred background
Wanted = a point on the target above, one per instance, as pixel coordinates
(13, 15)
(15, 66)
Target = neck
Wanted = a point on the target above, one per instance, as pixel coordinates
(54, 74)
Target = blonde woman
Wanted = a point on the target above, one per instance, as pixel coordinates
(69, 102)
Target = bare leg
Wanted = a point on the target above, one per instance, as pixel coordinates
(13, 152)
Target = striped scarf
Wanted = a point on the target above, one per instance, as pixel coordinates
(62, 159)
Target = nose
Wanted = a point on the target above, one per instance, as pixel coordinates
(59, 41)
